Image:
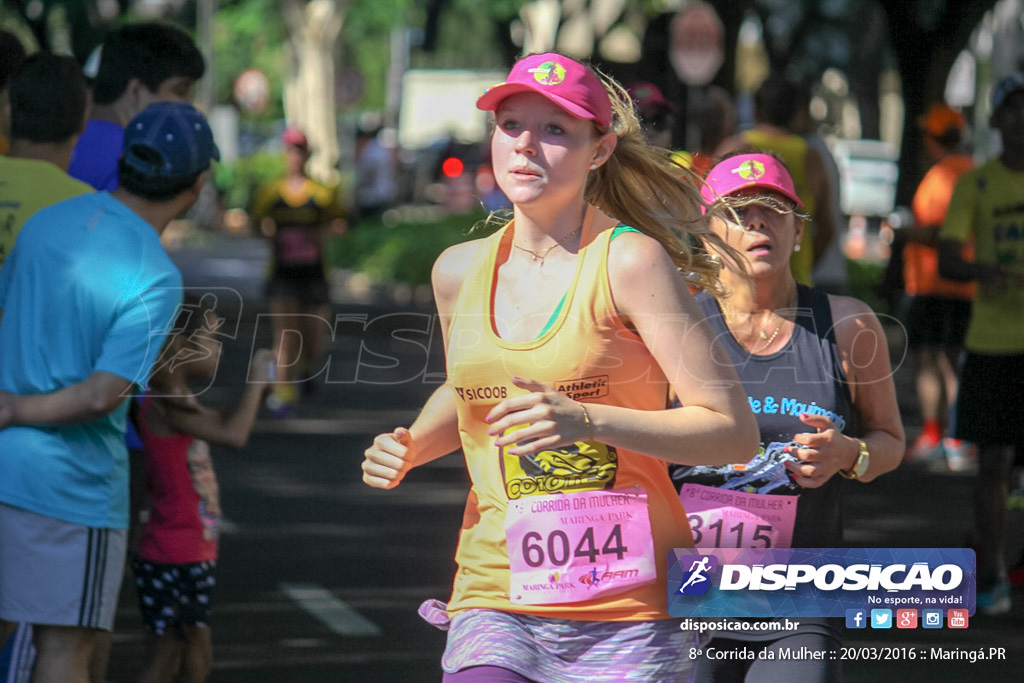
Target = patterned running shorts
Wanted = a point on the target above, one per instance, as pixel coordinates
(173, 595)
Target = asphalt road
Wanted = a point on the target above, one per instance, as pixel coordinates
(320, 577)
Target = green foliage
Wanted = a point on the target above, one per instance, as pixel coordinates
(240, 180)
(365, 42)
(251, 34)
(467, 37)
(864, 279)
(403, 253)
(502, 10)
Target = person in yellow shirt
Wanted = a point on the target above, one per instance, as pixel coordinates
(775, 106)
(987, 208)
(12, 56)
(48, 104)
(565, 332)
(297, 214)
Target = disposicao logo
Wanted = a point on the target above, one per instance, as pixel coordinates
(818, 582)
(697, 579)
(549, 73)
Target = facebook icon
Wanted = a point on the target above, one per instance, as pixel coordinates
(856, 618)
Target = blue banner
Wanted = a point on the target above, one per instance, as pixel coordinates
(817, 582)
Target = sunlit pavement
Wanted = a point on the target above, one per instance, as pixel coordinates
(320, 576)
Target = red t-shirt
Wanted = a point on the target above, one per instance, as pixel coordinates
(184, 501)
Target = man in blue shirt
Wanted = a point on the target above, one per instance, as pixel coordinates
(139, 64)
(86, 298)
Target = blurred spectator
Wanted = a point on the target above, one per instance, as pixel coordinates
(714, 115)
(48, 100)
(657, 114)
(375, 174)
(987, 209)
(139, 64)
(939, 309)
(775, 104)
(86, 298)
(12, 55)
(176, 560)
(830, 272)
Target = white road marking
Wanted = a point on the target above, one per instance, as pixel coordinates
(334, 613)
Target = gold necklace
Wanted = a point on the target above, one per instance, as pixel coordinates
(764, 338)
(542, 254)
(774, 335)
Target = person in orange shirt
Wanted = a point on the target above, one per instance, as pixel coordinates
(939, 309)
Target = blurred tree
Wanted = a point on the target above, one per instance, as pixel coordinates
(919, 38)
(248, 35)
(63, 26)
(309, 90)
(802, 38)
(926, 38)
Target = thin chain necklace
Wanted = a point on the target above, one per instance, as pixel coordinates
(765, 340)
(542, 254)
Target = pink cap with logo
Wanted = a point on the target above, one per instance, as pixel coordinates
(564, 81)
(748, 170)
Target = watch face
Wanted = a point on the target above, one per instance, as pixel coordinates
(863, 460)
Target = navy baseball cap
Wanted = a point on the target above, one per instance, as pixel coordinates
(169, 140)
(1003, 88)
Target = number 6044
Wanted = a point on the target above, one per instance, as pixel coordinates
(558, 549)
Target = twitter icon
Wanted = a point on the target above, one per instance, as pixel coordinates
(881, 618)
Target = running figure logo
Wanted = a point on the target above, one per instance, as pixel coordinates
(697, 581)
(549, 73)
(750, 170)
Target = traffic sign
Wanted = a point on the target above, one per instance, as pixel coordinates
(252, 91)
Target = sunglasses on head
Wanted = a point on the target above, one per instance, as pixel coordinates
(741, 206)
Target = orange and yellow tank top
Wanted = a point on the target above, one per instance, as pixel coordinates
(589, 354)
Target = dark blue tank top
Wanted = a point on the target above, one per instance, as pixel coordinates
(805, 376)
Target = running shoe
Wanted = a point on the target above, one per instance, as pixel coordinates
(996, 600)
(924, 449)
(279, 409)
(959, 455)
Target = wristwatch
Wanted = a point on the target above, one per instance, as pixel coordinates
(860, 465)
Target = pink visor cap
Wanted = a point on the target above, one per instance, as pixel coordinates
(748, 170)
(564, 81)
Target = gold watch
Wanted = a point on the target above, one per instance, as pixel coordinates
(860, 465)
